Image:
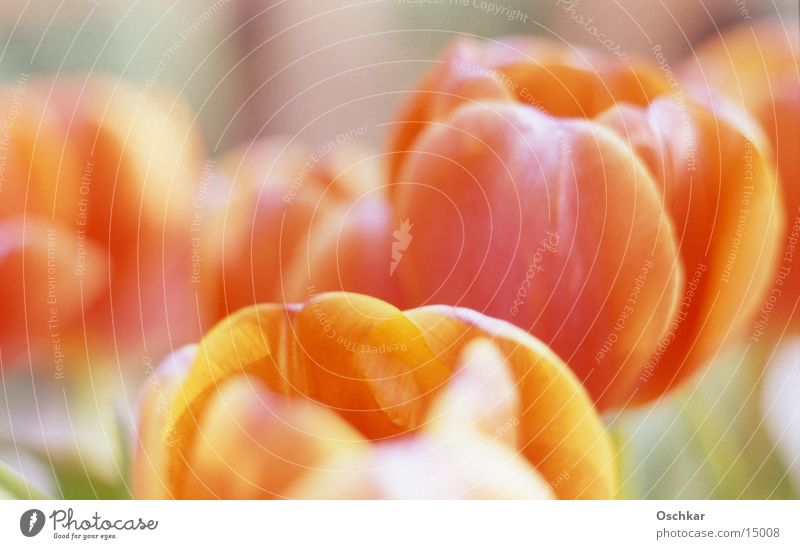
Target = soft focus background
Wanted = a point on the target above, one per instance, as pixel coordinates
(251, 67)
(313, 70)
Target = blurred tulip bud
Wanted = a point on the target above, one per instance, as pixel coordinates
(113, 172)
(286, 222)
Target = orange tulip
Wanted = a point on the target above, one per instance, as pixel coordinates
(756, 68)
(111, 172)
(589, 202)
(284, 222)
(346, 396)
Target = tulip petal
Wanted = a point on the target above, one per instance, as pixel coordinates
(481, 396)
(458, 78)
(561, 81)
(151, 456)
(559, 431)
(582, 92)
(254, 444)
(753, 70)
(467, 449)
(722, 196)
(428, 467)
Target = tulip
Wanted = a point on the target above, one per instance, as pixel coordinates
(112, 173)
(283, 221)
(753, 69)
(344, 395)
(589, 202)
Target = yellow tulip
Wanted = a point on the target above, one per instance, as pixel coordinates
(337, 396)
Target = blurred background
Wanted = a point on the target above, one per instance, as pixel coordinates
(313, 69)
